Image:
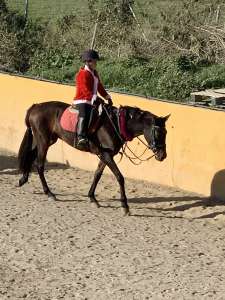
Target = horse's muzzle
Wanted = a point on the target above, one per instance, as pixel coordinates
(160, 155)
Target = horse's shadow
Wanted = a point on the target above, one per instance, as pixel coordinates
(9, 165)
(192, 202)
(216, 199)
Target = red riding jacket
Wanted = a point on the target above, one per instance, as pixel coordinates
(88, 84)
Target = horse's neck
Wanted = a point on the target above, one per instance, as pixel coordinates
(136, 125)
(136, 130)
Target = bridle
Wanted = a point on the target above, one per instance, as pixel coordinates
(154, 146)
(135, 159)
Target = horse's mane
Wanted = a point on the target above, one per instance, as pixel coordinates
(136, 111)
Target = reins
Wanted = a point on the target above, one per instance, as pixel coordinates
(135, 157)
(113, 125)
(125, 146)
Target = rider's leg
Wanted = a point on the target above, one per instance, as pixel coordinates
(82, 126)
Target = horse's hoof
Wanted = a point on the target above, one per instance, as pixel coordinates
(51, 196)
(126, 211)
(95, 202)
(22, 181)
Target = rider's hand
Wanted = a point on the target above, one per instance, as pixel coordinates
(109, 99)
(98, 101)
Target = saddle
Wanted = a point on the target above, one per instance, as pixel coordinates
(70, 117)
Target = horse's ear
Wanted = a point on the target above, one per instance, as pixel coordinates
(166, 117)
(133, 112)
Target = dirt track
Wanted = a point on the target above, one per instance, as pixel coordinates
(172, 247)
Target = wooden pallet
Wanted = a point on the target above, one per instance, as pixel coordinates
(209, 97)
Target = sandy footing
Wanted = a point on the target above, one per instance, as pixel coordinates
(171, 247)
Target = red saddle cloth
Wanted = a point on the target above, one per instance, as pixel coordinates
(69, 119)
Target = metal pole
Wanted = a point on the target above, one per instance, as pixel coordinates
(95, 31)
(139, 25)
(217, 14)
(26, 10)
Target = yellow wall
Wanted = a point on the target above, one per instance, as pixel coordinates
(195, 140)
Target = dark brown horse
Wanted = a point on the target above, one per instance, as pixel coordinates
(43, 130)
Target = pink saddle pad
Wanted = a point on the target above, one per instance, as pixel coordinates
(69, 119)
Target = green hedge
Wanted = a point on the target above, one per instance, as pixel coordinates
(167, 78)
(130, 64)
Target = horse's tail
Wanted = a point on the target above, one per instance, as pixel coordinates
(26, 155)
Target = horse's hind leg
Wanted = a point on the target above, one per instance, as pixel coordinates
(97, 176)
(31, 159)
(41, 157)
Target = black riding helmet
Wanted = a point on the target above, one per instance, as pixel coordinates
(89, 55)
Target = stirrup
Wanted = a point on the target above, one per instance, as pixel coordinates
(82, 144)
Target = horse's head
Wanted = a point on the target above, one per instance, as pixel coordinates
(155, 134)
(152, 127)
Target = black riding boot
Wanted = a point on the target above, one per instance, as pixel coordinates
(82, 126)
(82, 140)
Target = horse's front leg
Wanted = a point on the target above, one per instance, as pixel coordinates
(108, 160)
(97, 176)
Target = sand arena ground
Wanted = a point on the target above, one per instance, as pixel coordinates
(171, 247)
